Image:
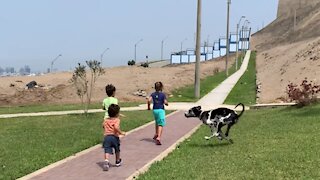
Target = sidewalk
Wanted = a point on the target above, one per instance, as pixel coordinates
(172, 106)
(138, 150)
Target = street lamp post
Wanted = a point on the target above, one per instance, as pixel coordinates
(162, 47)
(182, 44)
(227, 36)
(54, 61)
(181, 50)
(243, 34)
(237, 46)
(101, 56)
(135, 49)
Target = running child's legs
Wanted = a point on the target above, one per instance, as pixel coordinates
(159, 115)
(159, 132)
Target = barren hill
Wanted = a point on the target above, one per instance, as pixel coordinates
(288, 49)
(55, 88)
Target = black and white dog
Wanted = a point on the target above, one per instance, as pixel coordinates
(216, 119)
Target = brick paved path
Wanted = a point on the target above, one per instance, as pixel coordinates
(137, 149)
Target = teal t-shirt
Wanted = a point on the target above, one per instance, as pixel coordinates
(107, 102)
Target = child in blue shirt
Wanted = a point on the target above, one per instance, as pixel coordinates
(159, 100)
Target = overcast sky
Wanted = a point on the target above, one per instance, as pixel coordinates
(35, 32)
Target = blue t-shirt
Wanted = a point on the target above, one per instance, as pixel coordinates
(158, 100)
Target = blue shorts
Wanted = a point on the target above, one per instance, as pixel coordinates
(111, 142)
(160, 117)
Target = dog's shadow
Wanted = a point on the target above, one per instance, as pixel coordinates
(210, 145)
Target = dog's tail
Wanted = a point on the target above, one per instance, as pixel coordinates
(242, 109)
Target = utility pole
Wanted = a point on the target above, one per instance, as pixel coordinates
(227, 37)
(162, 47)
(197, 66)
(135, 50)
(295, 20)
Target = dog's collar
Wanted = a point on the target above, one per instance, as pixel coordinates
(201, 114)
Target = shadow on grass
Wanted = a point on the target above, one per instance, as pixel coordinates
(211, 145)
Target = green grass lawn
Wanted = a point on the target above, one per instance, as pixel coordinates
(245, 89)
(186, 94)
(278, 143)
(30, 143)
(57, 107)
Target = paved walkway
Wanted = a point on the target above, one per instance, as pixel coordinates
(172, 106)
(137, 148)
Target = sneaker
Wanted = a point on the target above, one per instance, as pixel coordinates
(158, 142)
(155, 137)
(106, 166)
(118, 163)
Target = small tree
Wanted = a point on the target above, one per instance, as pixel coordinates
(95, 71)
(303, 95)
(80, 81)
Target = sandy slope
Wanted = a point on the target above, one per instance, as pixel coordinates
(287, 54)
(57, 88)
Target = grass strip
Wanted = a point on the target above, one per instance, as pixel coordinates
(56, 107)
(186, 93)
(245, 89)
(268, 144)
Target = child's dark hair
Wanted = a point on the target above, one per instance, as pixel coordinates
(158, 86)
(110, 89)
(113, 110)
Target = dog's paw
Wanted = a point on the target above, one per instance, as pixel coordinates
(207, 137)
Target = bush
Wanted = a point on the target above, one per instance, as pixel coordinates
(145, 64)
(131, 63)
(303, 95)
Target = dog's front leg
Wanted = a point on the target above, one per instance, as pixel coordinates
(213, 134)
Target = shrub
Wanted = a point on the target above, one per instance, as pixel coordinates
(131, 63)
(304, 94)
(145, 64)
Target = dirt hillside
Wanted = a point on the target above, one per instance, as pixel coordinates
(288, 51)
(55, 88)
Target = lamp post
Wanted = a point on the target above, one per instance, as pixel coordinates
(197, 65)
(101, 56)
(181, 50)
(227, 36)
(181, 44)
(54, 61)
(237, 46)
(243, 34)
(135, 49)
(162, 47)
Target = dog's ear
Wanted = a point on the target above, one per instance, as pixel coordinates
(199, 107)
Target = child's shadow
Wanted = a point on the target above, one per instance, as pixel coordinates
(147, 140)
(100, 164)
